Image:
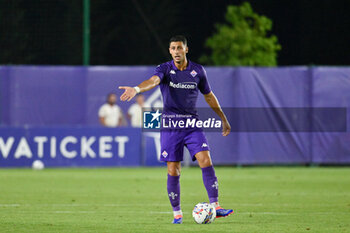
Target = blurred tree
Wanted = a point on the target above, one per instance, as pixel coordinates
(244, 41)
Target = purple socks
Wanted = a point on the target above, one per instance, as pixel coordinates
(211, 183)
(173, 186)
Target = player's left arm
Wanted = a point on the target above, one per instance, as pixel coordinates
(213, 102)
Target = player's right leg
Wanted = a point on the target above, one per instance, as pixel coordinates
(173, 187)
(172, 153)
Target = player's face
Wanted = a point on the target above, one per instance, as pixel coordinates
(178, 51)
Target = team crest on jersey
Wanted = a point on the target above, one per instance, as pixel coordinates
(172, 72)
(193, 73)
(165, 154)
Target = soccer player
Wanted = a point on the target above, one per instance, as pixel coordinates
(180, 98)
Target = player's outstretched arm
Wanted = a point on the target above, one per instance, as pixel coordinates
(213, 102)
(146, 85)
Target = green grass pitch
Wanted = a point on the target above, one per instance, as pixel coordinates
(265, 199)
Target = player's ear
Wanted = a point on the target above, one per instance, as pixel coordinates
(186, 49)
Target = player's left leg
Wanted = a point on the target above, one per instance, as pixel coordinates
(211, 182)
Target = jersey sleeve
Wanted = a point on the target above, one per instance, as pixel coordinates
(204, 85)
(160, 71)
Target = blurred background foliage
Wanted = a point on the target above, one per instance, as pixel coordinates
(243, 41)
(134, 32)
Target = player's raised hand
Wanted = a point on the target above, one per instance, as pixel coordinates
(128, 94)
(226, 128)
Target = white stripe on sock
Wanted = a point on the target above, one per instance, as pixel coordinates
(178, 212)
(215, 204)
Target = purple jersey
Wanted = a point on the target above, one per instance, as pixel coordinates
(180, 88)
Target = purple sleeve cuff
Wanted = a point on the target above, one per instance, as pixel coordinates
(204, 85)
(160, 71)
(159, 74)
(206, 91)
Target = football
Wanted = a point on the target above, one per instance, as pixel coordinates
(38, 165)
(204, 213)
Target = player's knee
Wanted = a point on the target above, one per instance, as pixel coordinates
(174, 170)
(207, 162)
(204, 161)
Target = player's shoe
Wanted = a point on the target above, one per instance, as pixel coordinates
(177, 219)
(220, 212)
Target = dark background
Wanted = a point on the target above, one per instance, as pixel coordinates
(50, 31)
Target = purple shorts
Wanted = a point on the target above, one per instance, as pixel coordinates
(173, 142)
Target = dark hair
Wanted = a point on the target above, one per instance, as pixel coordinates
(110, 94)
(178, 38)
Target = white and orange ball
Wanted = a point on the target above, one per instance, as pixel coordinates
(204, 213)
